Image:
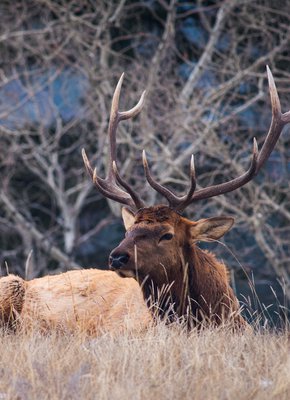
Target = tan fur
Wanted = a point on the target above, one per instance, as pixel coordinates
(12, 290)
(91, 301)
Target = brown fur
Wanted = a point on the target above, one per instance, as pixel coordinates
(90, 301)
(198, 286)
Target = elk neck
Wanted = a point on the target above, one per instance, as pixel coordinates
(197, 288)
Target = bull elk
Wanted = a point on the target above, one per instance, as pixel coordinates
(159, 252)
(159, 249)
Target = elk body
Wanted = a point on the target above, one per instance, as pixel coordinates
(90, 301)
(159, 254)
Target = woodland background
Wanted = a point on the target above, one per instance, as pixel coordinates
(203, 65)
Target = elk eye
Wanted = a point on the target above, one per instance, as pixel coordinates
(167, 236)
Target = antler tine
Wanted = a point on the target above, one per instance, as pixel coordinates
(174, 201)
(87, 163)
(115, 117)
(134, 110)
(124, 199)
(185, 200)
(108, 186)
(111, 194)
(170, 196)
(137, 200)
(122, 115)
(277, 123)
(233, 184)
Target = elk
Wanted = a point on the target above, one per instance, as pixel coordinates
(160, 246)
(158, 264)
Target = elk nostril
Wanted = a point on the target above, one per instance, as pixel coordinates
(118, 260)
(124, 258)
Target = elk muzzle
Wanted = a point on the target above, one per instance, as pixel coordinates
(118, 260)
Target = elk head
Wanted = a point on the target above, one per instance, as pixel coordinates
(159, 242)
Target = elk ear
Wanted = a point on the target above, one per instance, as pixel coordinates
(210, 229)
(128, 218)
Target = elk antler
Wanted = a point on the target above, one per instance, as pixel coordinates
(108, 186)
(278, 122)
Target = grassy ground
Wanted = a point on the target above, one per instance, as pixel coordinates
(162, 363)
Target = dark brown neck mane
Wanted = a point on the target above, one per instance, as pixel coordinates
(199, 292)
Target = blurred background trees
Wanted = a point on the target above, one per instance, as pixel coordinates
(202, 64)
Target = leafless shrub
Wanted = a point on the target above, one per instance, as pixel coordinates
(203, 67)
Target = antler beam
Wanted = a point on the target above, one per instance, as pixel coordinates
(278, 122)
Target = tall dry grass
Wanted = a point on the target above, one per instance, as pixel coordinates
(162, 363)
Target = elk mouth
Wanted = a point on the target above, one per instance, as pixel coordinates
(123, 273)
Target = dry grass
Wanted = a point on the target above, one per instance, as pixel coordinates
(162, 363)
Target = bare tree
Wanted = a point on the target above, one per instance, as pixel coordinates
(203, 67)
